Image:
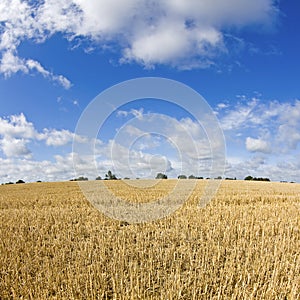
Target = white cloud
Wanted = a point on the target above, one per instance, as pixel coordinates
(286, 168)
(32, 64)
(12, 64)
(289, 136)
(57, 137)
(16, 126)
(15, 147)
(16, 133)
(222, 105)
(103, 19)
(132, 162)
(267, 147)
(240, 116)
(277, 123)
(257, 145)
(183, 143)
(13, 169)
(137, 113)
(268, 128)
(63, 81)
(20, 21)
(152, 131)
(183, 34)
(174, 44)
(133, 131)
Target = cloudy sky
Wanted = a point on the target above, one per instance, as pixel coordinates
(57, 56)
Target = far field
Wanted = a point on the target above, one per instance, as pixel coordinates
(243, 245)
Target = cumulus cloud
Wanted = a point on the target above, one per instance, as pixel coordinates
(13, 169)
(15, 147)
(257, 145)
(242, 115)
(261, 127)
(16, 132)
(57, 137)
(182, 145)
(289, 136)
(278, 123)
(133, 162)
(285, 168)
(21, 20)
(10, 64)
(17, 126)
(183, 34)
(268, 146)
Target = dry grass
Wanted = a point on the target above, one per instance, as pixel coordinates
(243, 245)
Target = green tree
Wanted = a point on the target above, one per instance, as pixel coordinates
(20, 181)
(110, 176)
(161, 176)
(81, 178)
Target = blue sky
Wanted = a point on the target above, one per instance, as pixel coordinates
(57, 56)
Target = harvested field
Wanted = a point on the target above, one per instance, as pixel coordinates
(244, 245)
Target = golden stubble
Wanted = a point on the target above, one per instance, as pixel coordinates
(243, 245)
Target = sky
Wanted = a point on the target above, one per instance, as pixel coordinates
(241, 56)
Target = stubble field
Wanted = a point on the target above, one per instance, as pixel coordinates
(244, 245)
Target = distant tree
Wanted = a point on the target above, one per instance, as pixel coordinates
(81, 178)
(182, 177)
(20, 181)
(39, 181)
(110, 176)
(219, 178)
(98, 178)
(261, 179)
(161, 176)
(257, 178)
(192, 177)
(126, 178)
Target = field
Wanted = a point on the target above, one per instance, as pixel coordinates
(244, 245)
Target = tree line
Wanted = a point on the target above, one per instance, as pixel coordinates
(110, 176)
